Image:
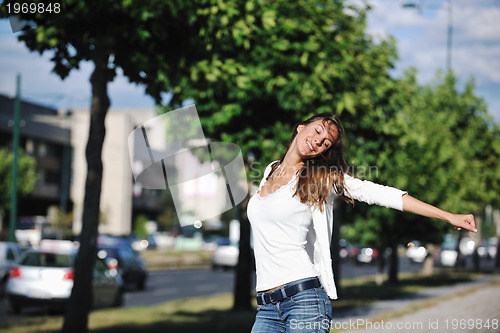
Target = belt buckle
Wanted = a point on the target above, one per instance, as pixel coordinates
(271, 299)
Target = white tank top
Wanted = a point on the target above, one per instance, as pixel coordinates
(280, 225)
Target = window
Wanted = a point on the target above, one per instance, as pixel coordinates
(30, 147)
(42, 149)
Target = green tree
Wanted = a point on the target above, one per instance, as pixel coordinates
(140, 226)
(140, 39)
(267, 65)
(437, 144)
(26, 177)
(167, 219)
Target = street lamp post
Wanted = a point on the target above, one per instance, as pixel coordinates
(449, 35)
(15, 153)
(419, 7)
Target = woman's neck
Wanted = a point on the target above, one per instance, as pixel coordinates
(292, 161)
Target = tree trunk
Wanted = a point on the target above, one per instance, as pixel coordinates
(244, 269)
(428, 265)
(76, 317)
(393, 265)
(459, 263)
(379, 277)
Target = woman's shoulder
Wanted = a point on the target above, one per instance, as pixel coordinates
(269, 167)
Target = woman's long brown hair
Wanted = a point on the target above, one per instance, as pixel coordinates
(324, 173)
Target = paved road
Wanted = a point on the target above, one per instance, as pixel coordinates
(164, 286)
(465, 307)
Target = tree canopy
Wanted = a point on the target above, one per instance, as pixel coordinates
(439, 145)
(268, 65)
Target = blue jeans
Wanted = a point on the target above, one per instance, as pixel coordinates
(307, 311)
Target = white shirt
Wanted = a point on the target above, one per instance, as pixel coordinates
(292, 239)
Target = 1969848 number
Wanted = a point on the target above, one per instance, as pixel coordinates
(33, 8)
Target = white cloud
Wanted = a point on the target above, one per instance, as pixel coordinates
(422, 40)
(478, 24)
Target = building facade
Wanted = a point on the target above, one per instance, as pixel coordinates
(120, 202)
(58, 140)
(44, 136)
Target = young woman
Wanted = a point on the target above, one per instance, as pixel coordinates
(292, 217)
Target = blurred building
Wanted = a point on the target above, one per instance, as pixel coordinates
(44, 136)
(120, 201)
(57, 140)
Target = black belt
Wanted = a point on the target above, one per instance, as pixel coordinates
(286, 291)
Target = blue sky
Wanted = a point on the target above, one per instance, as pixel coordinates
(421, 37)
(422, 40)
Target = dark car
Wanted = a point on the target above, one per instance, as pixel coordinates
(121, 256)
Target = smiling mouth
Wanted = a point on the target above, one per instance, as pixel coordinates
(310, 147)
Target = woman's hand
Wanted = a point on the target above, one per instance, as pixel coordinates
(459, 221)
(463, 221)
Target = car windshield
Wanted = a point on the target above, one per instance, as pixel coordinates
(45, 259)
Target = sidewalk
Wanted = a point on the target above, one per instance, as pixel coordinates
(464, 307)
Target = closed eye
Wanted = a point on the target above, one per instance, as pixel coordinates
(326, 142)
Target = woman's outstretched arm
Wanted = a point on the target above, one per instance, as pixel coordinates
(459, 221)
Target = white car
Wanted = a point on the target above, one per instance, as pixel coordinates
(10, 253)
(448, 256)
(367, 255)
(416, 251)
(44, 277)
(225, 256)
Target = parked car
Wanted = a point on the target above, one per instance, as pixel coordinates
(347, 250)
(367, 255)
(225, 256)
(483, 249)
(30, 230)
(10, 253)
(416, 251)
(212, 242)
(448, 254)
(122, 257)
(492, 248)
(44, 277)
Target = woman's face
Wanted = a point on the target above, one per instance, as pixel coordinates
(315, 138)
